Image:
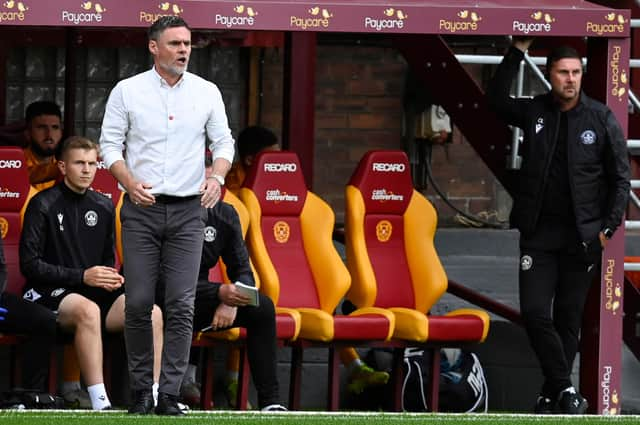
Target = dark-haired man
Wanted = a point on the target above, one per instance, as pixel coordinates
(569, 199)
(162, 116)
(43, 133)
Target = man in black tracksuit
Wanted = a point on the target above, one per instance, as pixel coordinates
(569, 197)
(222, 305)
(67, 257)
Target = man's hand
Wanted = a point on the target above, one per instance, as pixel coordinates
(522, 43)
(3, 313)
(224, 316)
(103, 277)
(139, 194)
(230, 295)
(210, 191)
(603, 240)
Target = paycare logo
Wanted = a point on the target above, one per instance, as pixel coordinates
(391, 18)
(464, 21)
(166, 9)
(613, 23)
(13, 11)
(317, 18)
(618, 76)
(541, 23)
(244, 16)
(613, 291)
(610, 399)
(88, 12)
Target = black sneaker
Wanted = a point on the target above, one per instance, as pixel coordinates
(168, 405)
(142, 403)
(544, 406)
(572, 404)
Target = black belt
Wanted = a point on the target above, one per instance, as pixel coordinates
(168, 199)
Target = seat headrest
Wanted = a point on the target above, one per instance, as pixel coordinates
(384, 179)
(14, 179)
(105, 183)
(278, 183)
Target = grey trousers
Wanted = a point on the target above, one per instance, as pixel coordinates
(161, 243)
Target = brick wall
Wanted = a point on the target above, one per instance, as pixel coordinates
(358, 101)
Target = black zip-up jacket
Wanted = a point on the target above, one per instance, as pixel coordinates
(223, 238)
(65, 233)
(597, 155)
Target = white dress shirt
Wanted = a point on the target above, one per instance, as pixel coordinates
(163, 130)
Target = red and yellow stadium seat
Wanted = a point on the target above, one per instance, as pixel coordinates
(389, 232)
(291, 246)
(287, 321)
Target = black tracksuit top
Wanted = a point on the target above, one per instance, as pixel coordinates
(597, 157)
(63, 234)
(223, 238)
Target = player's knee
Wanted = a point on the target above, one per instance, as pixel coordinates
(267, 311)
(87, 314)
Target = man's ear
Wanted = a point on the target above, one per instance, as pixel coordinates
(248, 160)
(153, 47)
(62, 167)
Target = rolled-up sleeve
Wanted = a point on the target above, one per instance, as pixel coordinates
(222, 143)
(114, 127)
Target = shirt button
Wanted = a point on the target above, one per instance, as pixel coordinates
(170, 117)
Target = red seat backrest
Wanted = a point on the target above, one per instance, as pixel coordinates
(105, 183)
(14, 192)
(277, 181)
(384, 180)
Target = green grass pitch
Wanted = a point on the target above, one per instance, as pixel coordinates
(67, 417)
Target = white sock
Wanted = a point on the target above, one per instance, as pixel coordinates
(68, 386)
(190, 375)
(98, 395)
(154, 392)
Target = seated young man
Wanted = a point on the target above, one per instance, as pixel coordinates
(223, 305)
(67, 256)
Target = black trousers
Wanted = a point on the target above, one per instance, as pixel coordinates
(556, 272)
(39, 323)
(260, 323)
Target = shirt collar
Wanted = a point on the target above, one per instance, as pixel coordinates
(163, 82)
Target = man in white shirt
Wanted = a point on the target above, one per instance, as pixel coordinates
(162, 116)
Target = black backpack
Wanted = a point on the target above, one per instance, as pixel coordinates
(463, 387)
(20, 398)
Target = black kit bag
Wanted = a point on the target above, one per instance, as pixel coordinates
(21, 398)
(463, 387)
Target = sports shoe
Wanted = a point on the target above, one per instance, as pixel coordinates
(274, 408)
(572, 403)
(364, 376)
(232, 394)
(190, 393)
(544, 406)
(77, 399)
